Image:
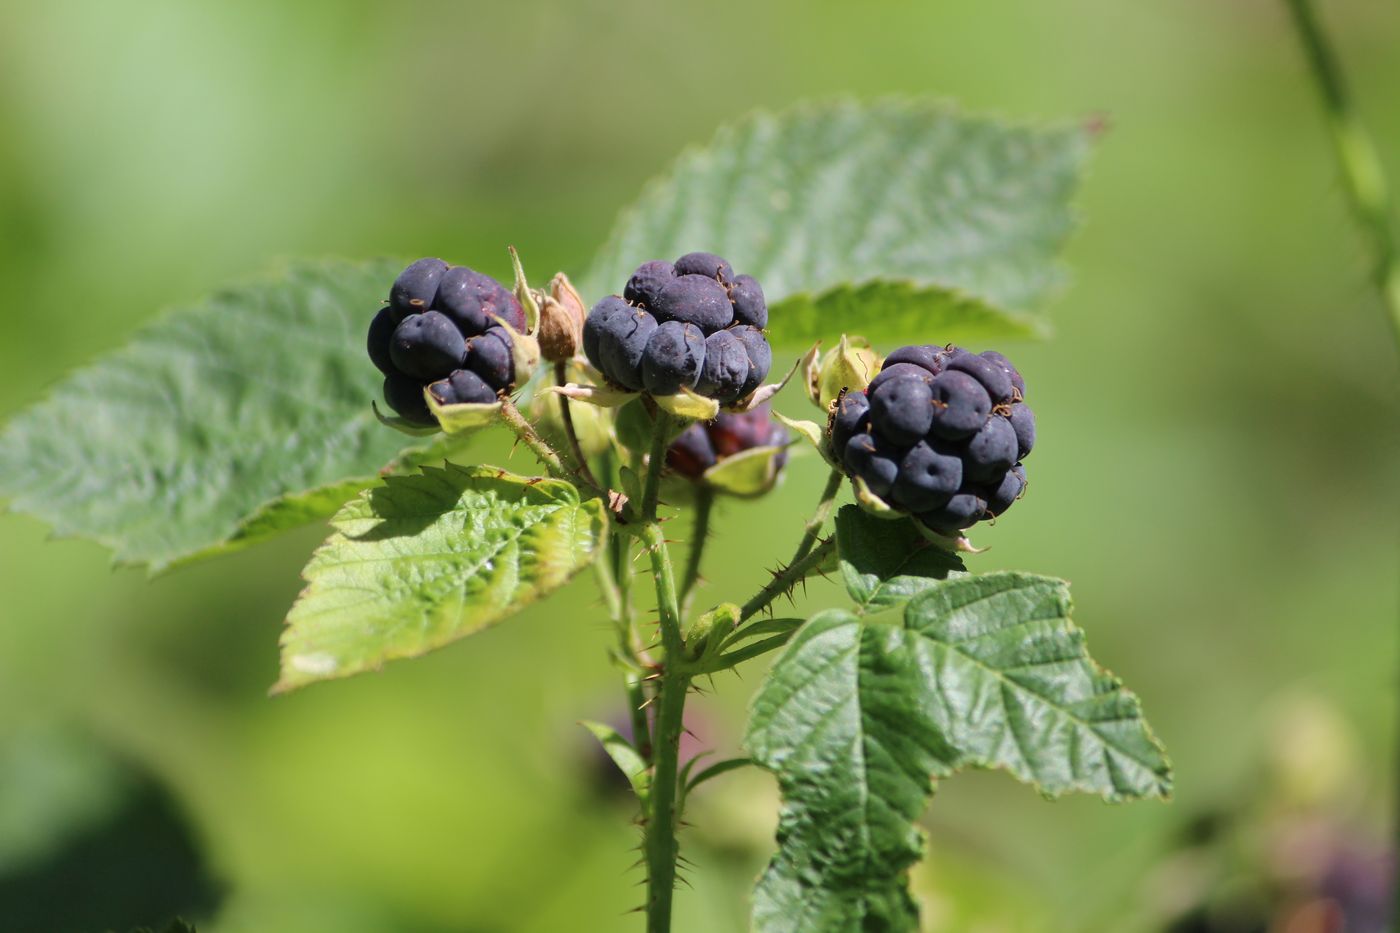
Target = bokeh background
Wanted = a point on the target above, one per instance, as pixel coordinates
(1216, 474)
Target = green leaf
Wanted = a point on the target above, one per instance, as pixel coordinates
(167, 447)
(624, 755)
(857, 716)
(426, 559)
(885, 563)
(898, 220)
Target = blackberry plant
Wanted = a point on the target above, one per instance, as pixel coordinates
(656, 401)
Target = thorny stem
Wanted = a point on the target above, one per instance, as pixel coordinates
(523, 430)
(1365, 182)
(699, 534)
(655, 462)
(567, 416)
(660, 843)
(1364, 178)
(819, 516)
(787, 578)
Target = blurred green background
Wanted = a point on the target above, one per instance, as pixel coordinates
(1216, 474)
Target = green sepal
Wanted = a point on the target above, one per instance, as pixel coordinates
(747, 474)
(812, 433)
(688, 404)
(402, 425)
(464, 418)
(525, 295)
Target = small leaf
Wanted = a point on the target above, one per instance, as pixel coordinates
(426, 559)
(857, 716)
(715, 770)
(886, 563)
(163, 449)
(901, 220)
(627, 759)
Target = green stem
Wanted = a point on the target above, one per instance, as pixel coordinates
(699, 534)
(1364, 178)
(819, 516)
(526, 432)
(657, 458)
(660, 843)
(566, 415)
(788, 578)
(1365, 181)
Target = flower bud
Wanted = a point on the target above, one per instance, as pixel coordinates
(851, 364)
(562, 313)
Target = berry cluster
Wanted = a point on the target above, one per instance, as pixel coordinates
(442, 329)
(704, 444)
(939, 433)
(690, 324)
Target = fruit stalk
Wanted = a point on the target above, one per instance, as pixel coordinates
(1365, 182)
(567, 417)
(660, 842)
(1364, 178)
(700, 532)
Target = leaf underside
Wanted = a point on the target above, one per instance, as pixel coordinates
(164, 448)
(856, 718)
(426, 559)
(900, 220)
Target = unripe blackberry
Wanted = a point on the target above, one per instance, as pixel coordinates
(927, 438)
(706, 444)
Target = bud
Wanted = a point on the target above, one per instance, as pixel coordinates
(850, 365)
(562, 313)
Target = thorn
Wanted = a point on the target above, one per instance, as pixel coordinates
(683, 880)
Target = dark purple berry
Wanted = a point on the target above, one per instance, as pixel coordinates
(622, 346)
(707, 264)
(733, 432)
(902, 410)
(381, 331)
(750, 307)
(645, 285)
(461, 388)
(427, 345)
(416, 287)
(962, 511)
(899, 371)
(598, 322)
(1023, 423)
(726, 367)
(960, 405)
(852, 416)
(760, 356)
(991, 451)
(491, 356)
(475, 301)
(993, 376)
(673, 357)
(872, 460)
(691, 453)
(928, 478)
(927, 356)
(1011, 371)
(1007, 491)
(405, 396)
(694, 299)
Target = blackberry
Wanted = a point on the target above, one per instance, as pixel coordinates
(442, 327)
(704, 444)
(707, 324)
(940, 433)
